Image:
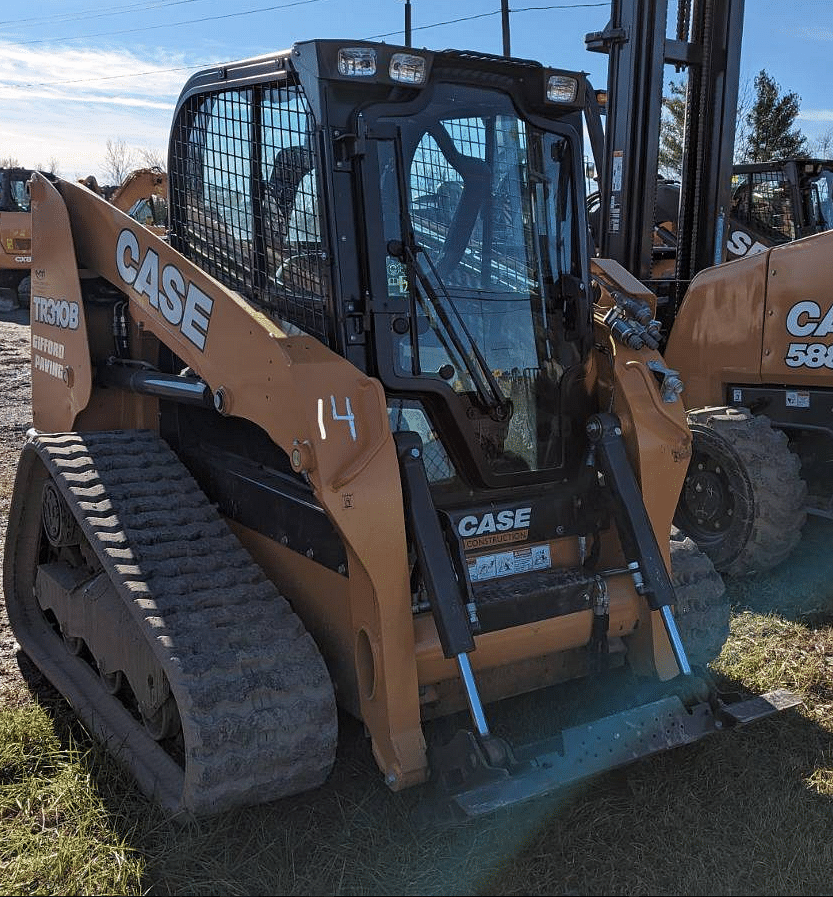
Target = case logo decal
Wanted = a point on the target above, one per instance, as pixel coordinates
(805, 319)
(180, 302)
(517, 518)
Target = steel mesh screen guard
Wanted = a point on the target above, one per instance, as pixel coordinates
(245, 200)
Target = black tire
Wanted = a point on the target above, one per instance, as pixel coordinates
(702, 608)
(743, 500)
(24, 292)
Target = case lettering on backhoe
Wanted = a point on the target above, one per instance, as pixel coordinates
(805, 319)
(742, 244)
(809, 355)
(180, 302)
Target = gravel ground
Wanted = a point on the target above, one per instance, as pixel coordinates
(16, 417)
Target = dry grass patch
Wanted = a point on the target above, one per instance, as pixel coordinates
(745, 812)
(55, 834)
(767, 651)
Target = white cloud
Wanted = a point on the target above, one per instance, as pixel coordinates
(62, 96)
(817, 33)
(91, 69)
(818, 115)
(64, 104)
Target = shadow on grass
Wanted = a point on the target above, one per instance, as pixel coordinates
(738, 813)
(733, 814)
(800, 588)
(746, 811)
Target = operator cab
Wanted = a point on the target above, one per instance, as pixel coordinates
(14, 192)
(420, 213)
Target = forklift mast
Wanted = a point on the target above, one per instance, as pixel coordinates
(706, 46)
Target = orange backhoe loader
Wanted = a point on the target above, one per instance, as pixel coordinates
(739, 258)
(143, 194)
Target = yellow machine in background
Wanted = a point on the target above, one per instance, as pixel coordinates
(142, 195)
(15, 237)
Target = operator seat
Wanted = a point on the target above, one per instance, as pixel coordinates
(290, 166)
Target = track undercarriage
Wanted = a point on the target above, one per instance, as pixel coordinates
(177, 652)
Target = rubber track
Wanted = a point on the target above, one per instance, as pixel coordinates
(254, 695)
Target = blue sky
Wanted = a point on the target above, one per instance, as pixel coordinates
(76, 74)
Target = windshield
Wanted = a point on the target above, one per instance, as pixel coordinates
(763, 200)
(15, 198)
(821, 200)
(480, 223)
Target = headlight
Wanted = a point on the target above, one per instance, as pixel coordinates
(562, 89)
(407, 68)
(359, 62)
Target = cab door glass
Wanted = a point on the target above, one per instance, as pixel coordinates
(480, 223)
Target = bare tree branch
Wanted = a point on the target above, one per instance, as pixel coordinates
(119, 161)
(152, 158)
(822, 147)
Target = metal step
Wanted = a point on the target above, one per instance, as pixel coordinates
(529, 597)
(759, 707)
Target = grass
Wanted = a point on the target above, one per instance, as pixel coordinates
(56, 834)
(747, 811)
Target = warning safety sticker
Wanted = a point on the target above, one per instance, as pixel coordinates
(506, 563)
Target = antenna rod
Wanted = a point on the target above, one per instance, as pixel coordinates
(407, 23)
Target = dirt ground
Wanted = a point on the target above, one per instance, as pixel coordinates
(16, 418)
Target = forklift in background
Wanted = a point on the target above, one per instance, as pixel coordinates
(751, 340)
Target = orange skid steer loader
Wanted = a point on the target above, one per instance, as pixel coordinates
(363, 433)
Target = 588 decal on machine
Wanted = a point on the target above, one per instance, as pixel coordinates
(809, 355)
(806, 319)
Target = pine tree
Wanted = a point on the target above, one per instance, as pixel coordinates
(671, 132)
(770, 122)
(764, 126)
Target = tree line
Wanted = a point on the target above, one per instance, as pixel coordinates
(765, 128)
(119, 160)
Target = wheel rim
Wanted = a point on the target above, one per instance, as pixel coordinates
(58, 522)
(707, 502)
(51, 510)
